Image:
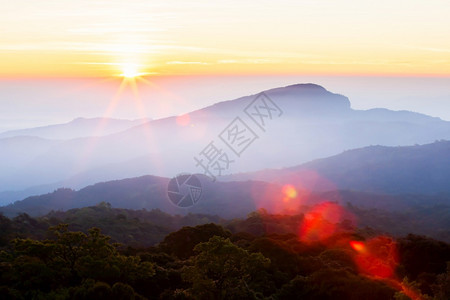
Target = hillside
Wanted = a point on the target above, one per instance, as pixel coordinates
(77, 128)
(420, 169)
(393, 214)
(308, 118)
(276, 256)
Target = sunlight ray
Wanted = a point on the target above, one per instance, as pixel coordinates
(85, 156)
(149, 135)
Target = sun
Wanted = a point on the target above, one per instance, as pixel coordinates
(130, 71)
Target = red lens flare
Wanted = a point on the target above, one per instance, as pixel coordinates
(289, 192)
(277, 199)
(322, 221)
(377, 257)
(183, 120)
(358, 246)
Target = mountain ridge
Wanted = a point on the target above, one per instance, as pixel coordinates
(422, 169)
(86, 127)
(305, 131)
(325, 176)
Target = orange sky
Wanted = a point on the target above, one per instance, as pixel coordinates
(82, 38)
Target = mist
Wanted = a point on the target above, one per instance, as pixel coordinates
(44, 101)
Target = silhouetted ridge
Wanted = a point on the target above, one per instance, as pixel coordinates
(307, 86)
(311, 96)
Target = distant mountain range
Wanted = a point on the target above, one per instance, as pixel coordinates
(395, 214)
(312, 123)
(77, 128)
(420, 169)
(226, 199)
(143, 192)
(392, 178)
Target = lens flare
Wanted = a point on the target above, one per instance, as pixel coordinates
(378, 257)
(183, 120)
(321, 222)
(358, 246)
(289, 192)
(274, 198)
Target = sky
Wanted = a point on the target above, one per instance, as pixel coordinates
(102, 38)
(65, 59)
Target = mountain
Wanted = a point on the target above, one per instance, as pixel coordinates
(77, 128)
(420, 169)
(396, 214)
(227, 199)
(18, 148)
(17, 152)
(307, 122)
(148, 192)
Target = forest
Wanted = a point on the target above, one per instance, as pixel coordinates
(100, 252)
